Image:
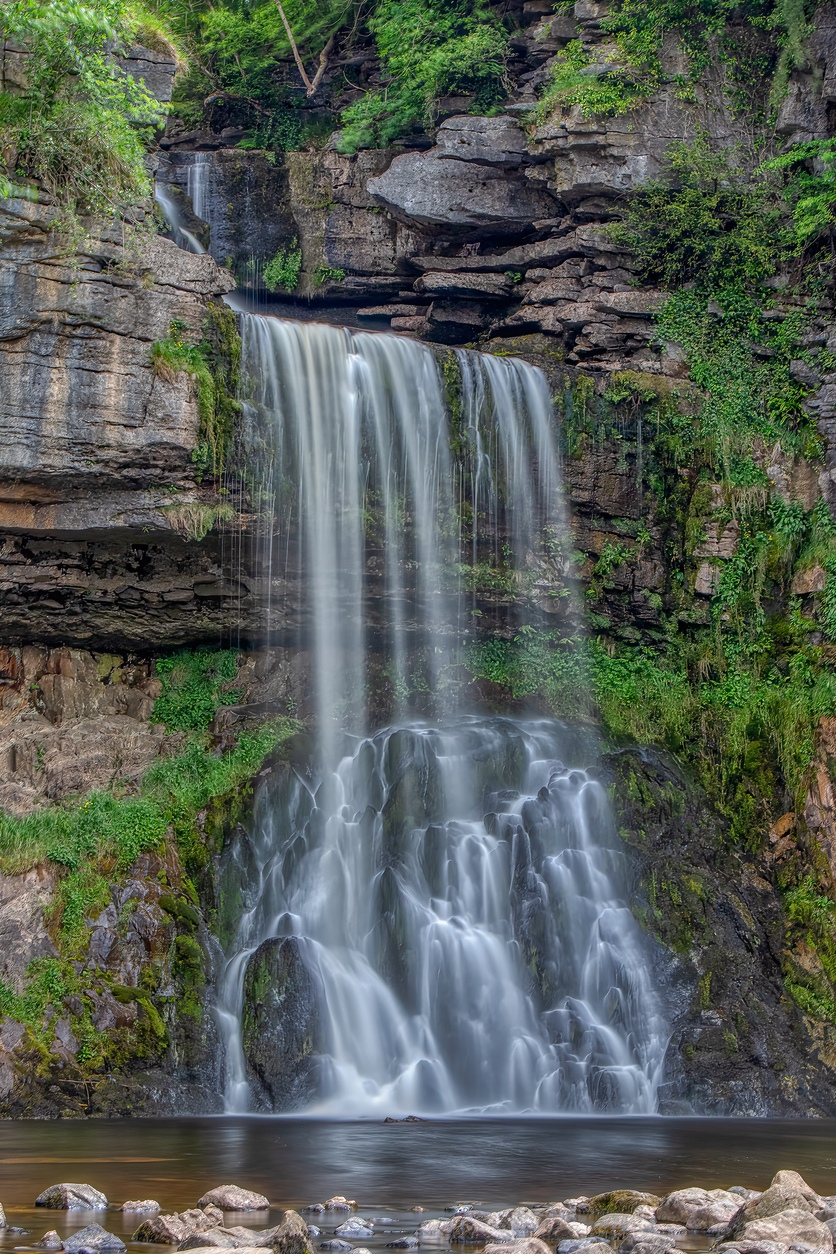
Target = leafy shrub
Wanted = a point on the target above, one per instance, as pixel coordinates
(429, 48)
(194, 684)
(707, 223)
(74, 127)
(283, 270)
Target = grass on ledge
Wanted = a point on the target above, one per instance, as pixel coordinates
(104, 825)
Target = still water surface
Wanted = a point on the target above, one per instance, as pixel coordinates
(389, 1168)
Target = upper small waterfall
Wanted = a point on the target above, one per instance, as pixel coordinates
(453, 894)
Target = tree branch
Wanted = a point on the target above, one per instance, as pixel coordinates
(323, 63)
(295, 50)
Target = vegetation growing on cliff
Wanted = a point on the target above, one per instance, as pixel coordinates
(70, 116)
(756, 45)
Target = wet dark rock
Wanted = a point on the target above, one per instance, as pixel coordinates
(72, 1197)
(280, 1024)
(403, 1243)
(336, 1245)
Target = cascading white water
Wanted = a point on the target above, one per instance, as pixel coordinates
(457, 892)
(196, 189)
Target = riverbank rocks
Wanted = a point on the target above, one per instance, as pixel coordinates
(554, 1230)
(72, 1197)
(141, 1208)
(789, 1227)
(633, 1240)
(91, 1240)
(528, 1245)
(790, 1196)
(624, 1201)
(466, 1230)
(697, 1209)
(614, 1226)
(231, 1197)
(519, 1220)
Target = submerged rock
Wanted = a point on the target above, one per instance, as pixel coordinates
(72, 1197)
(139, 1208)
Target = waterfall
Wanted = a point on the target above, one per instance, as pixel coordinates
(196, 186)
(449, 890)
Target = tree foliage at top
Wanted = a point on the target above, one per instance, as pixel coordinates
(70, 116)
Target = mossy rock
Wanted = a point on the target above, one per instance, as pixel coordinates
(619, 1201)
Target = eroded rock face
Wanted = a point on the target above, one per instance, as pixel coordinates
(23, 936)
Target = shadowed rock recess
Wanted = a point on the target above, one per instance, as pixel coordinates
(673, 604)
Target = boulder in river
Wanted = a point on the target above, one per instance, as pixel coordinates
(91, 1239)
(634, 1239)
(149, 1206)
(788, 1227)
(218, 1238)
(616, 1226)
(163, 1230)
(778, 1197)
(528, 1245)
(434, 1230)
(2, 1218)
(792, 1180)
(338, 1202)
(589, 1245)
(519, 1220)
(465, 1230)
(697, 1209)
(403, 1243)
(354, 1227)
(554, 1230)
(72, 1197)
(50, 1241)
(231, 1197)
(336, 1245)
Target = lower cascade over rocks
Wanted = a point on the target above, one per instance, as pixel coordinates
(469, 834)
